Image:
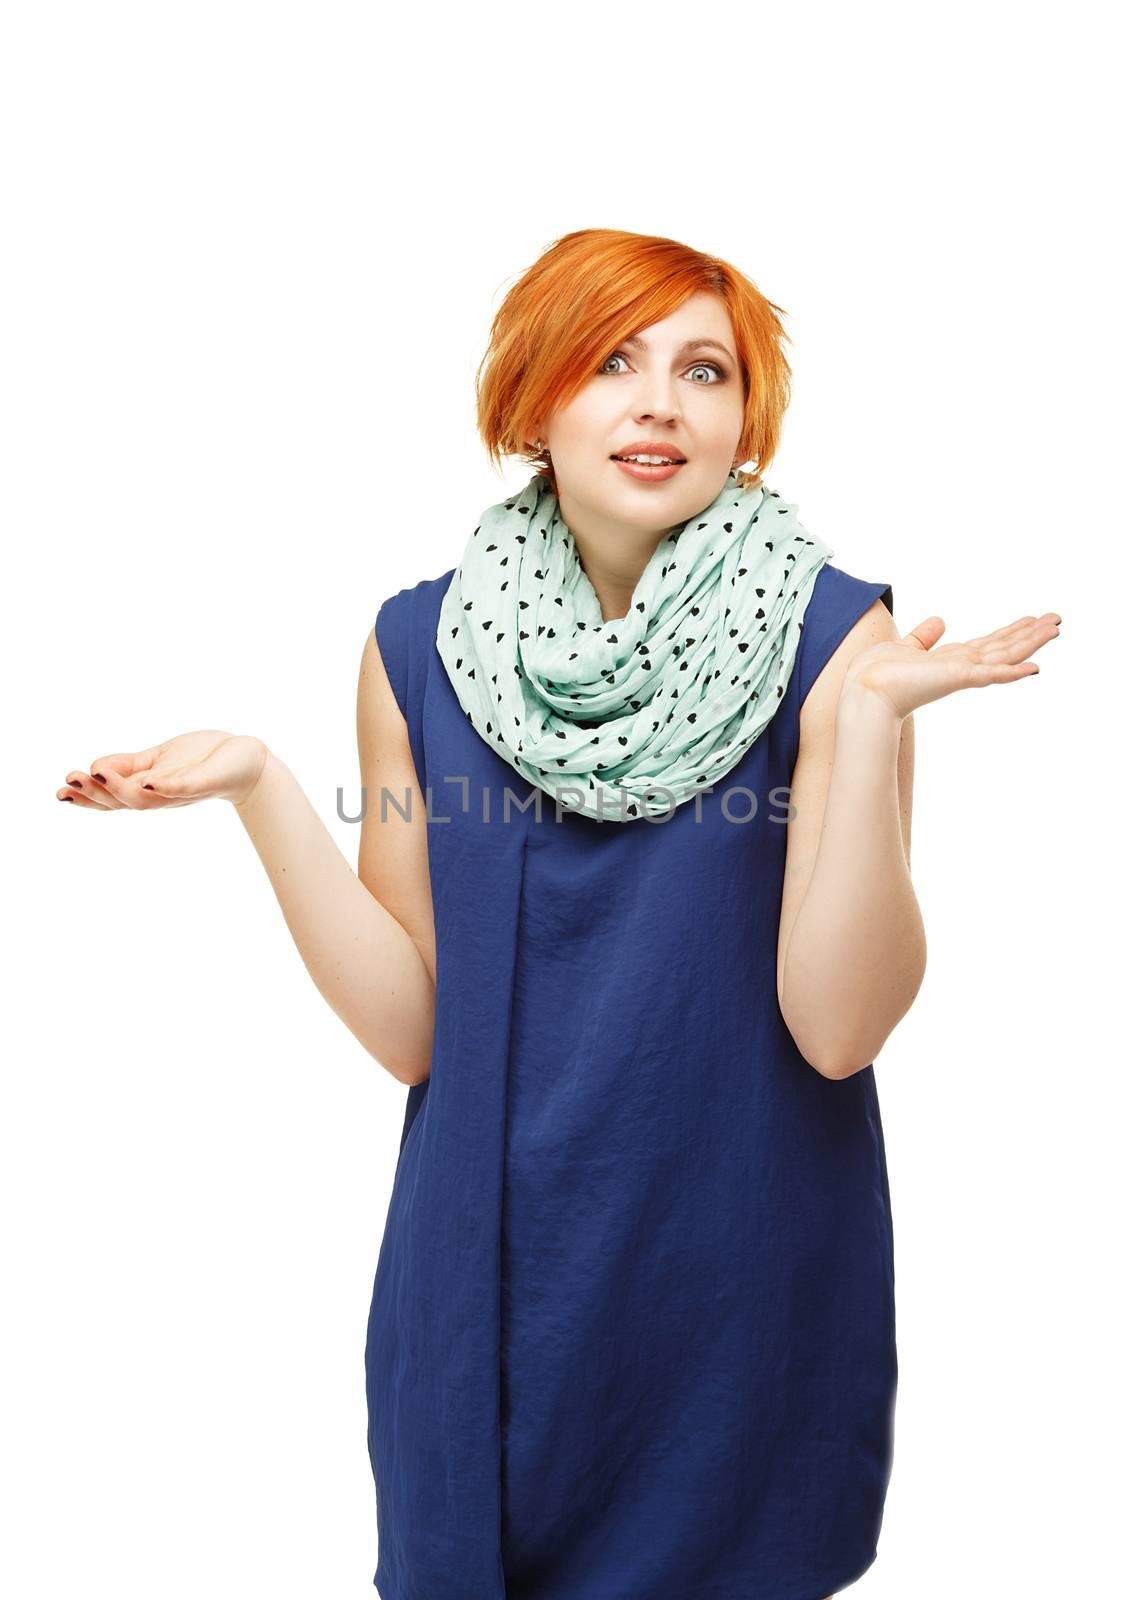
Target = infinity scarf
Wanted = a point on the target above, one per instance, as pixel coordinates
(633, 716)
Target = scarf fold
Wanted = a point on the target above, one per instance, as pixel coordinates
(634, 716)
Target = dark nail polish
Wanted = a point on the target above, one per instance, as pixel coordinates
(69, 798)
(146, 786)
(98, 776)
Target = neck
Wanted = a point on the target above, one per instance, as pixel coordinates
(613, 555)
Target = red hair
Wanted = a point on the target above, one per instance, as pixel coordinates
(563, 319)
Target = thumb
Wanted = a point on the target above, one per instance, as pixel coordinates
(177, 780)
(928, 632)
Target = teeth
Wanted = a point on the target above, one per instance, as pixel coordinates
(651, 461)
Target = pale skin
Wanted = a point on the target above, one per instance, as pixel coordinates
(851, 947)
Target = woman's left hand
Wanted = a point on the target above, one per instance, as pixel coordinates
(909, 672)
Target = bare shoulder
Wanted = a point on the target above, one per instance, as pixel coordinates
(876, 625)
(817, 742)
(812, 773)
(393, 848)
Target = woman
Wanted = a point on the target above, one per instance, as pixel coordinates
(632, 1332)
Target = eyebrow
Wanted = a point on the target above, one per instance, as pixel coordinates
(689, 344)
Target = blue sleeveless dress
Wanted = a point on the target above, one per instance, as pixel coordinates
(632, 1334)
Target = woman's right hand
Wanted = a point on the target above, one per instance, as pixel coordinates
(207, 765)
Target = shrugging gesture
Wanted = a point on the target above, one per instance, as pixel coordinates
(911, 671)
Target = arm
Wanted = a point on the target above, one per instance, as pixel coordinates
(851, 946)
(367, 940)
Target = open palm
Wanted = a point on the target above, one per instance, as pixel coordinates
(208, 764)
(911, 671)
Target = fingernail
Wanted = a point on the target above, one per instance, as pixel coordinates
(146, 785)
(75, 783)
(68, 797)
(98, 776)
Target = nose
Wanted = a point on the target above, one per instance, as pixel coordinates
(656, 399)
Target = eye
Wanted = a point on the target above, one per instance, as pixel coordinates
(713, 366)
(699, 366)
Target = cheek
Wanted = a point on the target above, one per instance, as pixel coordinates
(588, 421)
(723, 426)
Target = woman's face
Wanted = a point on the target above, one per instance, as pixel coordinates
(677, 383)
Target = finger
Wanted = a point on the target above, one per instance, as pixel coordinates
(983, 641)
(1024, 628)
(984, 673)
(125, 762)
(163, 783)
(928, 632)
(82, 802)
(1026, 639)
(121, 790)
(175, 783)
(1049, 625)
(1016, 630)
(81, 786)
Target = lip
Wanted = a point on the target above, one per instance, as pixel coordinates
(651, 447)
(649, 474)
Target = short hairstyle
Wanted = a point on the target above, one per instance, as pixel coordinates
(588, 291)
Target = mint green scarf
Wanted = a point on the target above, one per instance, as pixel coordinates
(634, 716)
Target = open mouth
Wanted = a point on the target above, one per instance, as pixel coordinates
(649, 469)
(652, 460)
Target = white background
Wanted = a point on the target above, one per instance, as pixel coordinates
(252, 253)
